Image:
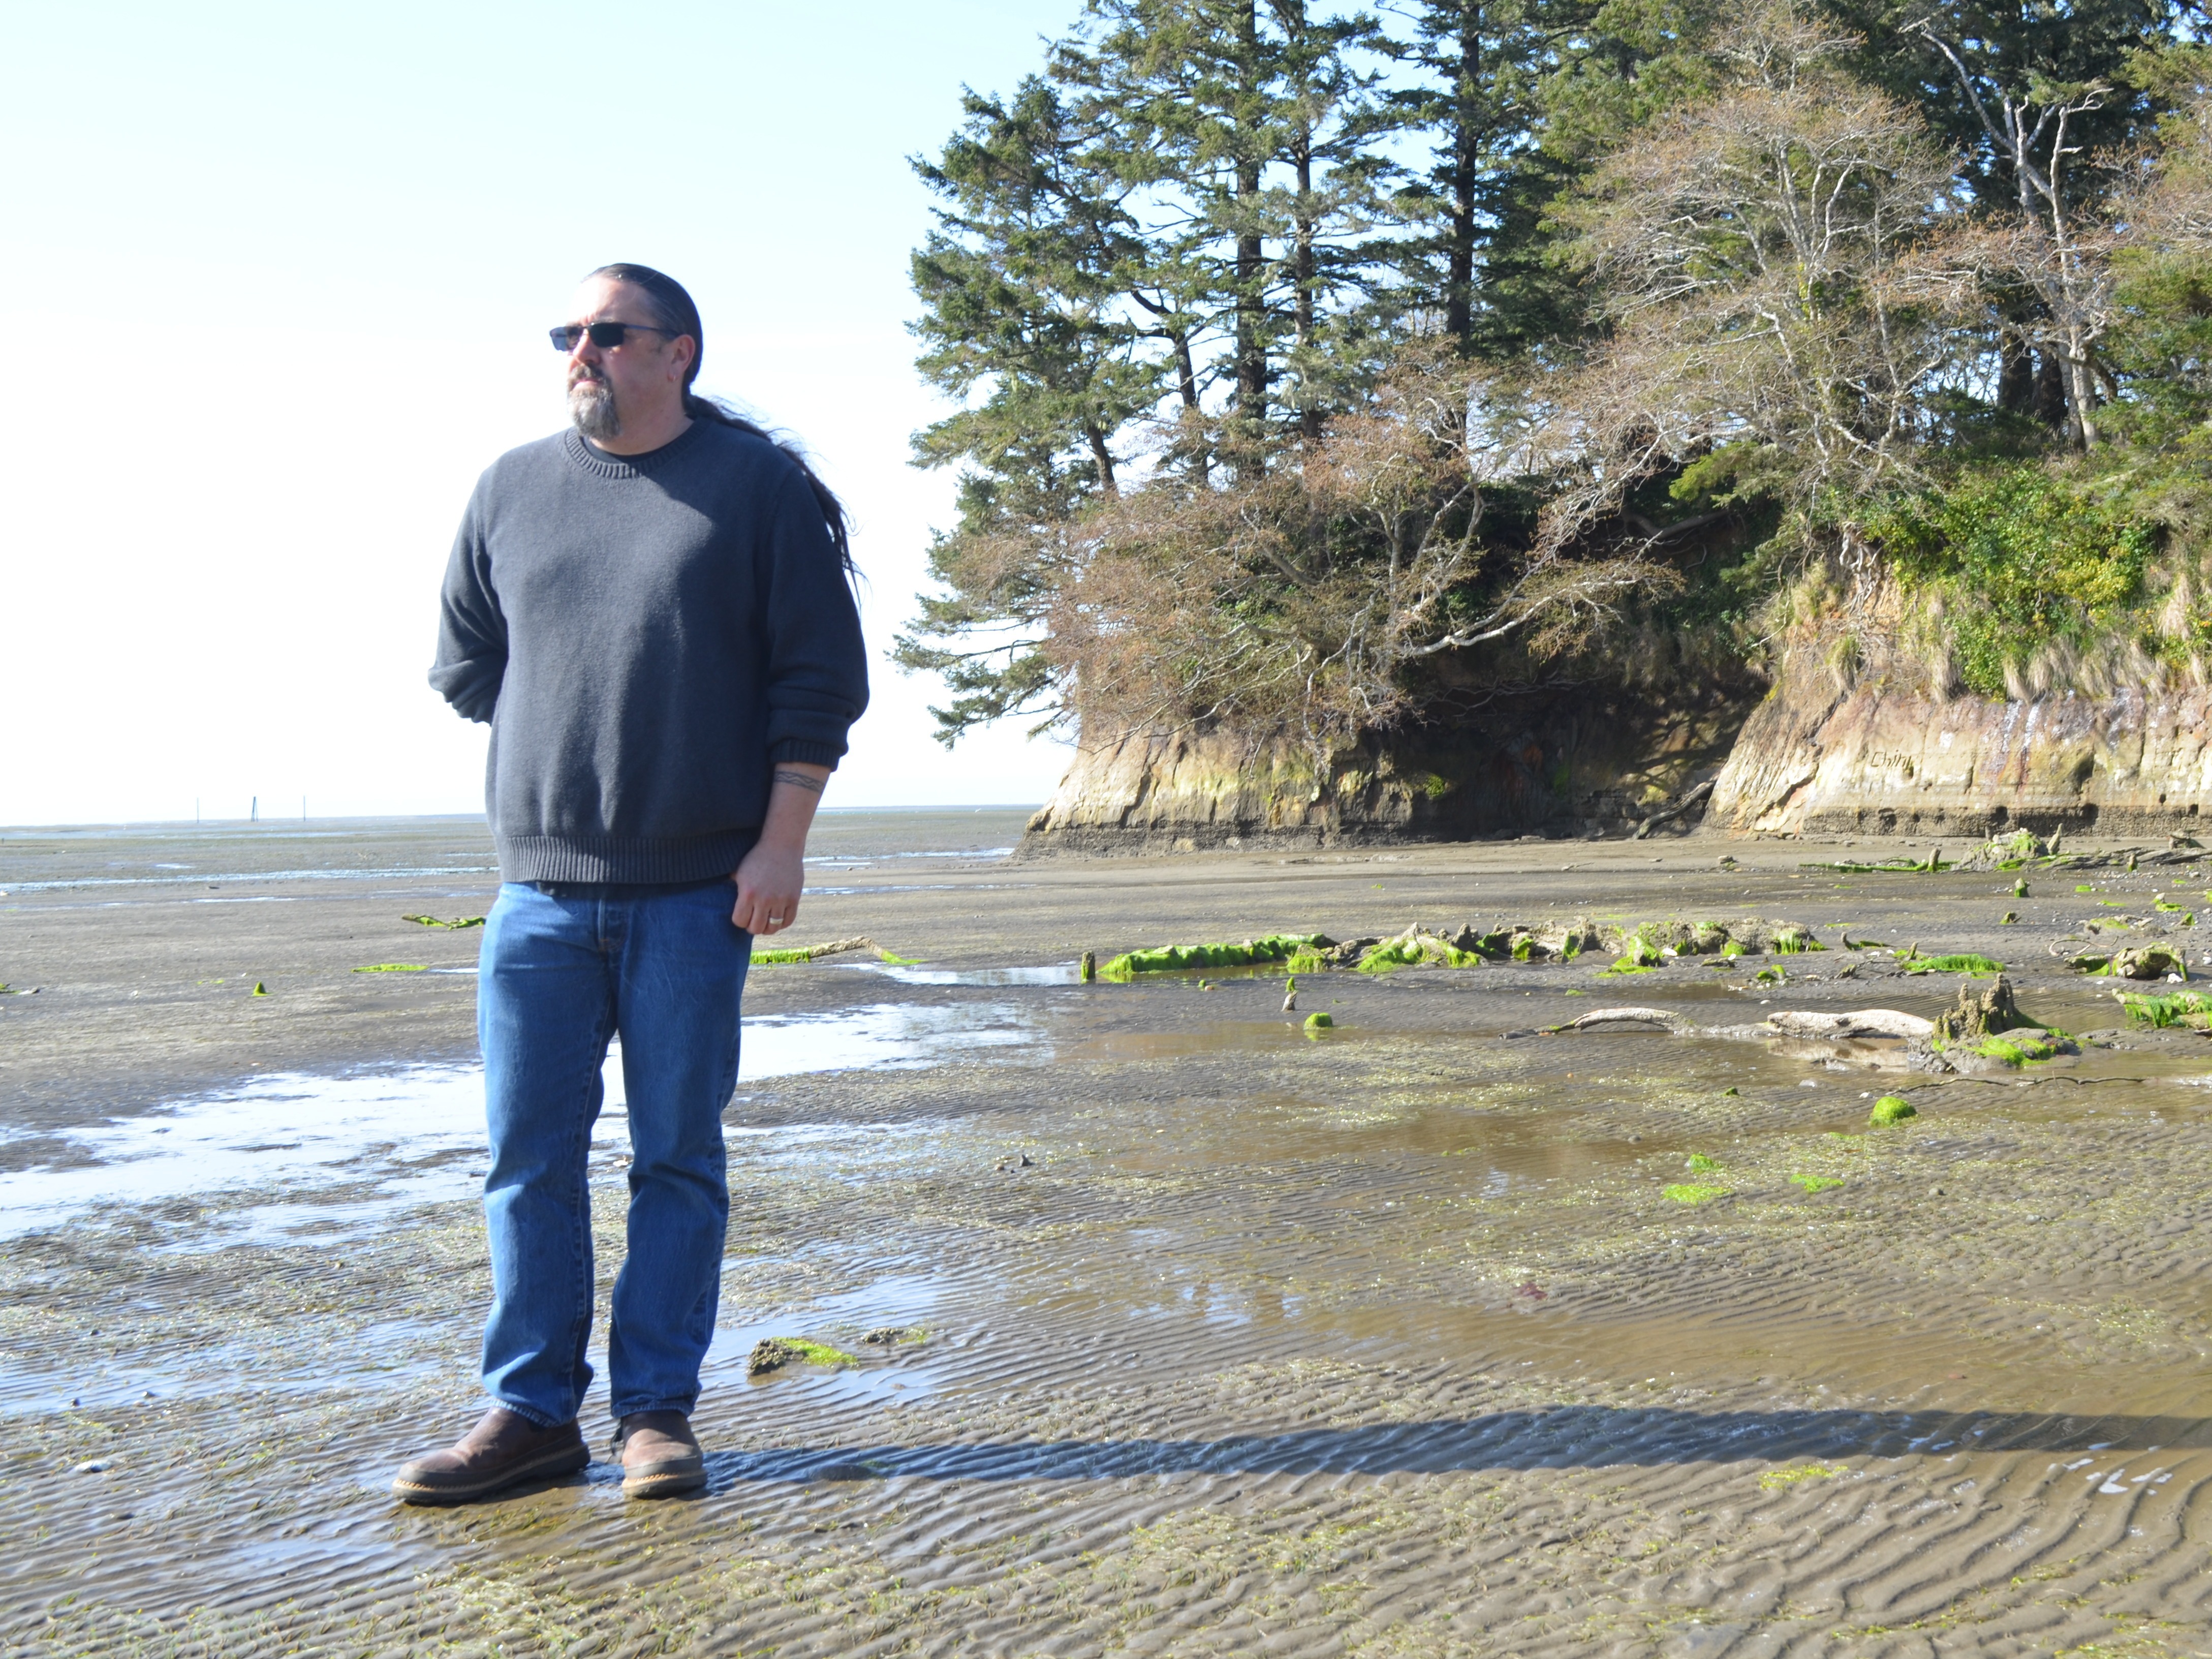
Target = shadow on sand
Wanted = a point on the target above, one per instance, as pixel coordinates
(1570, 1436)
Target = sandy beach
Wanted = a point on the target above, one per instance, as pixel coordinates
(1206, 1335)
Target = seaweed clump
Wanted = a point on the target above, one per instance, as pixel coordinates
(1892, 1109)
(2191, 1009)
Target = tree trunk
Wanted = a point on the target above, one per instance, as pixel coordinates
(1104, 458)
(1251, 255)
(1309, 410)
(1459, 253)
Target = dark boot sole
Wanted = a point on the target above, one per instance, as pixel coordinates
(669, 1479)
(561, 1460)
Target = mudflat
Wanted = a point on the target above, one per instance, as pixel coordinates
(1196, 1332)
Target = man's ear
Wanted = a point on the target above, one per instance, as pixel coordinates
(681, 350)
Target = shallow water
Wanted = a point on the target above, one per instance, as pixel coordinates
(417, 1135)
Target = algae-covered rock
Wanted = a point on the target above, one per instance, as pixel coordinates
(2135, 962)
(1418, 946)
(1891, 1108)
(1747, 936)
(1319, 1022)
(1172, 958)
(2024, 1046)
(773, 1353)
(1957, 962)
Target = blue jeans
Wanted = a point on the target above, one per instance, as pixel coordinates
(559, 977)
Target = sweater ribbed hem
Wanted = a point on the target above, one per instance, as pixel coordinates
(621, 858)
(807, 754)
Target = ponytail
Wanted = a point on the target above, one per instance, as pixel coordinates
(675, 311)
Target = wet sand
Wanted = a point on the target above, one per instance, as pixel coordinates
(1386, 1343)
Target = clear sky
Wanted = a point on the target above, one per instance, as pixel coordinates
(278, 279)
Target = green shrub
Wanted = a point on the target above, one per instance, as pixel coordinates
(2027, 556)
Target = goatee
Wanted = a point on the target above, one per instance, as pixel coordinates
(592, 407)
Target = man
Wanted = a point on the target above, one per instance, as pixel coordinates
(653, 613)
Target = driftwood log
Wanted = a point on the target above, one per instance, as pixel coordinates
(1914, 1043)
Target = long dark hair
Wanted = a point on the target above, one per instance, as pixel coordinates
(675, 310)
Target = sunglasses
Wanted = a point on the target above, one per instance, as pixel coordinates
(606, 336)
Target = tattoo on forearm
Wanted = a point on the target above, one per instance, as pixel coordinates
(799, 781)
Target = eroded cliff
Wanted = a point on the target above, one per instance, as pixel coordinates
(1815, 756)
(1562, 763)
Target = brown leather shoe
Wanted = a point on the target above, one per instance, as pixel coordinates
(659, 1454)
(503, 1451)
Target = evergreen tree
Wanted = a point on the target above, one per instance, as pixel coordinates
(1020, 283)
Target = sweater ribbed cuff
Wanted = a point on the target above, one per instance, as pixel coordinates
(807, 753)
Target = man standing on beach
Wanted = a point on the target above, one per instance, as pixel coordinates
(652, 612)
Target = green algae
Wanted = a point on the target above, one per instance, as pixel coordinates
(774, 1352)
(1087, 971)
(458, 921)
(1690, 1192)
(2016, 1049)
(1701, 1164)
(1783, 1480)
(1817, 1183)
(1319, 1022)
(797, 955)
(1892, 1109)
(2162, 1010)
(1176, 959)
(1307, 960)
(2009, 918)
(394, 968)
(1933, 863)
(1412, 949)
(1768, 976)
(1964, 962)
(1792, 941)
(259, 989)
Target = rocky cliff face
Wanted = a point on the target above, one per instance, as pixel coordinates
(1560, 764)
(1815, 756)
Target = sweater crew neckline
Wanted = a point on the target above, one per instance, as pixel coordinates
(588, 457)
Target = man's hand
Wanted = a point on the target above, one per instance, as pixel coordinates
(774, 873)
(767, 887)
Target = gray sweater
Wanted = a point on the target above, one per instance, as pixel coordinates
(647, 636)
